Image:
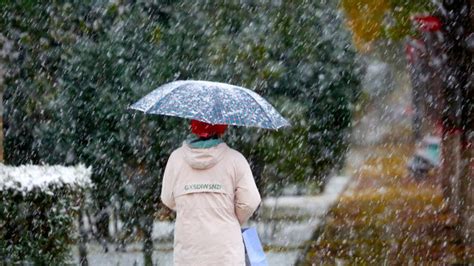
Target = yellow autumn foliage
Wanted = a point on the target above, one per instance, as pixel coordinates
(365, 19)
(370, 20)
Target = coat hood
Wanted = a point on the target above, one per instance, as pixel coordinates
(203, 158)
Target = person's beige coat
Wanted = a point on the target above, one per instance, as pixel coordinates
(213, 193)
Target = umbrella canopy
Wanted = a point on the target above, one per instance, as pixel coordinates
(211, 102)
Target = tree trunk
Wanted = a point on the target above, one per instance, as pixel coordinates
(467, 191)
(467, 184)
(82, 241)
(459, 112)
(451, 169)
(4, 52)
(147, 239)
(1, 126)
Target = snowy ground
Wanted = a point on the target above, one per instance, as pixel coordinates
(165, 257)
(287, 223)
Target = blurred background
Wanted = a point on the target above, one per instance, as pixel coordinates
(377, 167)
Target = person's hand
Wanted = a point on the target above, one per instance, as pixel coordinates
(164, 213)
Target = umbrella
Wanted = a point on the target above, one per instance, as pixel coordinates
(211, 102)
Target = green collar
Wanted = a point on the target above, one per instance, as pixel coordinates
(197, 143)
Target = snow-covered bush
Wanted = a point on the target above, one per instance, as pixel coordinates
(37, 209)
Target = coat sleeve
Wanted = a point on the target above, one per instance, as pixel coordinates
(167, 185)
(247, 197)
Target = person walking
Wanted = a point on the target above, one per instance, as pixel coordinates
(212, 190)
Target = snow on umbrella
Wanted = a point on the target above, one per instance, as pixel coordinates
(211, 102)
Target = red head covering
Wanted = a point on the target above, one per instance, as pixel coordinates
(205, 130)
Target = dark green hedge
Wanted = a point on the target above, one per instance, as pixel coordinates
(37, 227)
